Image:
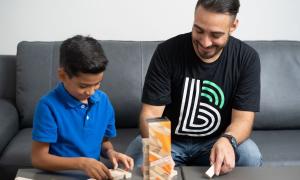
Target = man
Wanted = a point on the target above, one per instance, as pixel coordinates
(208, 84)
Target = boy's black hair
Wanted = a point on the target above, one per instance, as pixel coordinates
(220, 6)
(82, 54)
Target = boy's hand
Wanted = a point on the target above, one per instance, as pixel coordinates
(95, 169)
(116, 157)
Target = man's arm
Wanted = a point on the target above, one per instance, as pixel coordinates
(41, 159)
(222, 154)
(148, 112)
(241, 125)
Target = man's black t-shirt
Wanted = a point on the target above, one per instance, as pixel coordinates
(199, 96)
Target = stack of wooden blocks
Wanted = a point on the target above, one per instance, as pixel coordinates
(158, 163)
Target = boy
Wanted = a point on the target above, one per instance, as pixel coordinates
(73, 122)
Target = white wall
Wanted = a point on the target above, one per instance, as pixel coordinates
(49, 20)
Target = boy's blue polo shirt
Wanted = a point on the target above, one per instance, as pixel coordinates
(73, 129)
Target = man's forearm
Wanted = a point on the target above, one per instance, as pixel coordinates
(144, 127)
(239, 133)
(241, 125)
(149, 112)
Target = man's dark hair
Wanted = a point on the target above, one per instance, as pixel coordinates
(220, 6)
(81, 54)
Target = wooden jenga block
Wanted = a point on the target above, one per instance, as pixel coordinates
(119, 174)
(22, 178)
(210, 172)
(146, 158)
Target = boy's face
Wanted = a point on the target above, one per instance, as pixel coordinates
(81, 86)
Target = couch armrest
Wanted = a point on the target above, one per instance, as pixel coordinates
(9, 122)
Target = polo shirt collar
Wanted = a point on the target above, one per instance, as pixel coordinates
(95, 97)
(71, 101)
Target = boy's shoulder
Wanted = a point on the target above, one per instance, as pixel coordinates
(99, 96)
(50, 97)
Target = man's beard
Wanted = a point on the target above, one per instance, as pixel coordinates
(210, 54)
(213, 50)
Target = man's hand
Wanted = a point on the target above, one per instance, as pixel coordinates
(222, 156)
(95, 169)
(116, 157)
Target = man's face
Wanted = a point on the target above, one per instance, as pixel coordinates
(81, 86)
(210, 33)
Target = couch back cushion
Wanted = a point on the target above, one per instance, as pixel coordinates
(37, 64)
(35, 75)
(280, 84)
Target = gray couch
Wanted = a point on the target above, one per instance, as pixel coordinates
(24, 78)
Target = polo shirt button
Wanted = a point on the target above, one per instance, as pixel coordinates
(82, 106)
(87, 117)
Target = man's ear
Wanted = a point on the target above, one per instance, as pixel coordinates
(234, 25)
(62, 75)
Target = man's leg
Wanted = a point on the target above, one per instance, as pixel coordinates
(179, 152)
(201, 152)
(135, 150)
(249, 154)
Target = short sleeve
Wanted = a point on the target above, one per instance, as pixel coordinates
(44, 125)
(247, 97)
(111, 128)
(157, 86)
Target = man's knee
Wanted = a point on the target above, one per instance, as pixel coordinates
(135, 150)
(249, 154)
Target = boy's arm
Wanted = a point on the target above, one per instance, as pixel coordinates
(41, 159)
(115, 157)
(106, 147)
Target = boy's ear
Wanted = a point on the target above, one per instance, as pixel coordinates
(62, 75)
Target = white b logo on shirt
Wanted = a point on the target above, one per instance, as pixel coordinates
(199, 114)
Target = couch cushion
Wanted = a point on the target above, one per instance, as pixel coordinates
(8, 77)
(36, 74)
(123, 139)
(280, 84)
(123, 80)
(18, 151)
(147, 48)
(278, 147)
(9, 122)
(16, 155)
